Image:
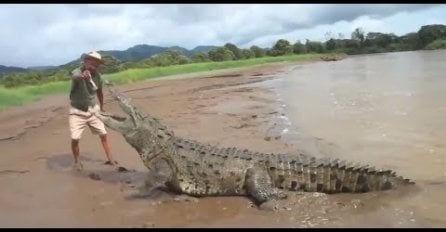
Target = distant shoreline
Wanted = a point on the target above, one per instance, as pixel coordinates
(10, 97)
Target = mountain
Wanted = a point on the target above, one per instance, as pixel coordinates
(144, 51)
(41, 68)
(181, 49)
(9, 69)
(203, 49)
(135, 53)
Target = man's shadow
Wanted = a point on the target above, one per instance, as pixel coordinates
(96, 170)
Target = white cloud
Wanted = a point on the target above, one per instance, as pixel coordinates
(55, 34)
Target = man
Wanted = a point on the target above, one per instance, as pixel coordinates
(86, 83)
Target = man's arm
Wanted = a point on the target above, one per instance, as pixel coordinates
(78, 74)
(100, 98)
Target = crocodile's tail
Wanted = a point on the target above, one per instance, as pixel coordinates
(313, 175)
(355, 178)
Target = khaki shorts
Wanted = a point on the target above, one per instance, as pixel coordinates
(79, 120)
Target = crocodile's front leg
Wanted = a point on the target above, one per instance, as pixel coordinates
(157, 177)
(259, 185)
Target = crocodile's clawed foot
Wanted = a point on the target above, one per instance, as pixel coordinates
(270, 205)
(282, 195)
(140, 195)
(144, 192)
(185, 198)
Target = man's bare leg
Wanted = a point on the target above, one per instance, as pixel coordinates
(75, 150)
(106, 147)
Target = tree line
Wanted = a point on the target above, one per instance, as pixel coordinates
(427, 37)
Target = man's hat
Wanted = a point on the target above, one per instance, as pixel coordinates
(93, 55)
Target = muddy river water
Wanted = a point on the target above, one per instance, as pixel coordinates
(387, 110)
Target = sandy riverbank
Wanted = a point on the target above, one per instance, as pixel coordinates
(40, 189)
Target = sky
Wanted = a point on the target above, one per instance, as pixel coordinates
(55, 34)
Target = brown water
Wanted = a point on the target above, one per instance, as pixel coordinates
(387, 110)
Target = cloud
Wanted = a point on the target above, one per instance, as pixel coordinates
(56, 34)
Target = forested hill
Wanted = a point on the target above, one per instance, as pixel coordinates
(135, 53)
(428, 37)
(144, 51)
(8, 69)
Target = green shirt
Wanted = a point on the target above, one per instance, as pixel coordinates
(82, 94)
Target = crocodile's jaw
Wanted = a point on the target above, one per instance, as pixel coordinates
(146, 140)
(126, 124)
(116, 123)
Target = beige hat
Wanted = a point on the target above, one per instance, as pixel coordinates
(93, 55)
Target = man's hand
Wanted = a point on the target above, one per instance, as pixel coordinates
(78, 75)
(86, 74)
(83, 75)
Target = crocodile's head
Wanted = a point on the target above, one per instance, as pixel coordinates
(124, 124)
(143, 132)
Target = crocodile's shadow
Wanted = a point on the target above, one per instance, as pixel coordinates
(133, 179)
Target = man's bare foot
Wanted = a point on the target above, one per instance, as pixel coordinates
(114, 164)
(111, 163)
(78, 166)
(122, 169)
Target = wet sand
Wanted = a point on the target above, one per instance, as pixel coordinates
(40, 189)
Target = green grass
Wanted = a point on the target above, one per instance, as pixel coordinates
(22, 95)
(437, 44)
(133, 75)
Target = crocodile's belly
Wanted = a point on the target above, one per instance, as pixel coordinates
(211, 185)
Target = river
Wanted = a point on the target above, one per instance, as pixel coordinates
(387, 110)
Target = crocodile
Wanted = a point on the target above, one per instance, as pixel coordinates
(195, 169)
